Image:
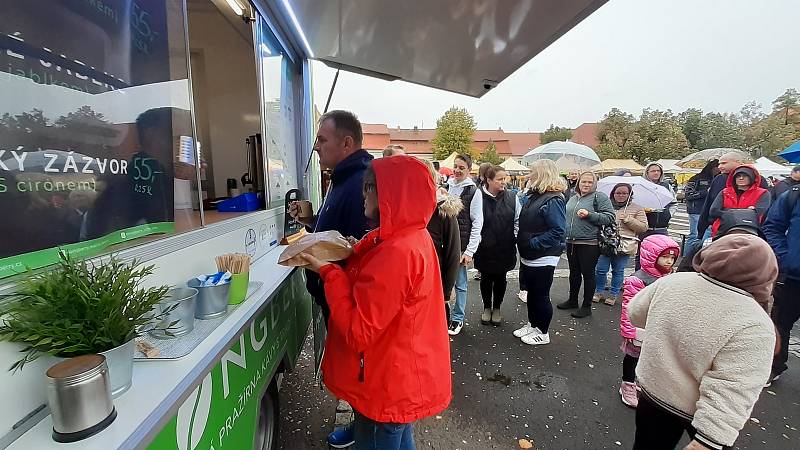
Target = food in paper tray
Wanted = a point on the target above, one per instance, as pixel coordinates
(325, 245)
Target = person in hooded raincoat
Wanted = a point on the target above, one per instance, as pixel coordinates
(387, 352)
(742, 191)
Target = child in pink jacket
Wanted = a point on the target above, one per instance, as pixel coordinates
(657, 257)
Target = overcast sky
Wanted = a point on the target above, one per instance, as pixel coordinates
(712, 54)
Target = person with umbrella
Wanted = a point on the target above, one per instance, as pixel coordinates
(632, 221)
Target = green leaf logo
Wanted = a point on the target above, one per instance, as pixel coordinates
(193, 415)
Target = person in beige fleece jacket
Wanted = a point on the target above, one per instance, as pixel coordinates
(709, 346)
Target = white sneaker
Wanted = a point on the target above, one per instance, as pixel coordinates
(523, 295)
(455, 328)
(526, 330)
(536, 339)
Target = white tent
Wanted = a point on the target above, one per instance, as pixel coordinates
(513, 167)
(769, 168)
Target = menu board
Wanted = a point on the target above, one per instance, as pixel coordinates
(90, 124)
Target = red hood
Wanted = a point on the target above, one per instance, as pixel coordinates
(745, 168)
(406, 194)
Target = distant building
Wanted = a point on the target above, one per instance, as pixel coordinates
(417, 141)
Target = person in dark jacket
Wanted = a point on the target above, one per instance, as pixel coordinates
(742, 192)
(696, 193)
(727, 163)
(782, 230)
(443, 228)
(496, 254)
(787, 184)
(540, 241)
(338, 144)
(587, 211)
(572, 184)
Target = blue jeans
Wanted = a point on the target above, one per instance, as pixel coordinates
(461, 296)
(617, 265)
(371, 435)
(692, 237)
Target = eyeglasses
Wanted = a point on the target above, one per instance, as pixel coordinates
(621, 193)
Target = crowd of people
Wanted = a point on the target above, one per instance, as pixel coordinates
(387, 307)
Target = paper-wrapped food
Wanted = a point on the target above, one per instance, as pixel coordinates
(325, 245)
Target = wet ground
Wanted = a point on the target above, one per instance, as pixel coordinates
(557, 396)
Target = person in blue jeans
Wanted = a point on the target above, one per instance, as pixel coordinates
(470, 225)
(696, 193)
(372, 435)
(632, 221)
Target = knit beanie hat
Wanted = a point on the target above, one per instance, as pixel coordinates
(743, 261)
(670, 251)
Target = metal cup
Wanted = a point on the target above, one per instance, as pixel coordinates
(181, 304)
(79, 396)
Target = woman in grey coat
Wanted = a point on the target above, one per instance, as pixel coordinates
(587, 211)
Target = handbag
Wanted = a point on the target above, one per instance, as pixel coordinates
(608, 237)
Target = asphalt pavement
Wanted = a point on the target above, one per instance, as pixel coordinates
(557, 396)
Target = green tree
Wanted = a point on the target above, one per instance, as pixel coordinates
(617, 134)
(770, 135)
(751, 113)
(691, 123)
(789, 99)
(555, 133)
(454, 133)
(490, 155)
(660, 136)
(720, 130)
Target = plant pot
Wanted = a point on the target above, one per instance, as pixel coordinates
(120, 367)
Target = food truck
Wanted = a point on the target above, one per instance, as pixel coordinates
(169, 132)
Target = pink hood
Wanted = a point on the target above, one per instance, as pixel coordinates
(652, 246)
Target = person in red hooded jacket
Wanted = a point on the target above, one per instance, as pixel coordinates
(743, 191)
(387, 353)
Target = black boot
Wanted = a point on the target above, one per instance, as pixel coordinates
(583, 311)
(569, 304)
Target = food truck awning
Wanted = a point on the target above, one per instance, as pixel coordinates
(463, 46)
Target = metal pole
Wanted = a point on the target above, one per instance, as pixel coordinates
(327, 104)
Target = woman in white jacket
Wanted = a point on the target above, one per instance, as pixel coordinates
(709, 346)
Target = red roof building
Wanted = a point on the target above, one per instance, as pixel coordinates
(417, 141)
(586, 134)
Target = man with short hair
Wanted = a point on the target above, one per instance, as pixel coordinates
(787, 184)
(782, 230)
(394, 150)
(572, 182)
(338, 144)
(727, 163)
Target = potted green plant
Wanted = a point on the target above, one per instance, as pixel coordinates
(81, 308)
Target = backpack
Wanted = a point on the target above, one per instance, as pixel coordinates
(792, 197)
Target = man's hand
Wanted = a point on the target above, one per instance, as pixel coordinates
(312, 262)
(466, 259)
(694, 445)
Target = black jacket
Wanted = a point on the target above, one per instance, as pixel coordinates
(696, 193)
(343, 211)
(443, 228)
(782, 187)
(496, 252)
